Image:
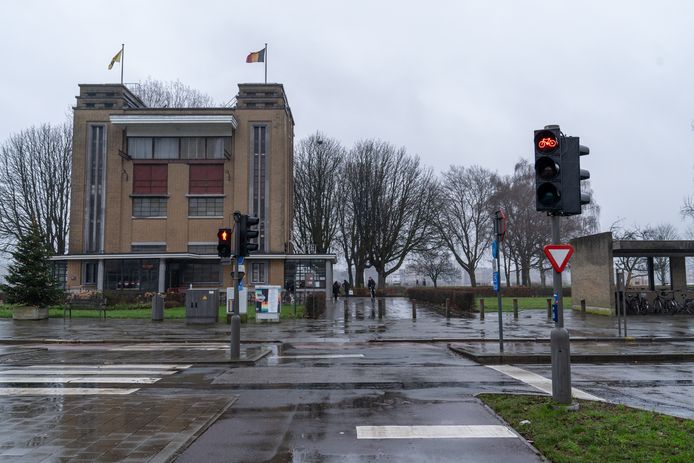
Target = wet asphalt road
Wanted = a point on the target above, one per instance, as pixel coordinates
(139, 399)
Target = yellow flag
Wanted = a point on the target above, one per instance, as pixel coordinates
(116, 59)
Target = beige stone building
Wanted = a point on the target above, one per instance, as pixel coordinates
(151, 187)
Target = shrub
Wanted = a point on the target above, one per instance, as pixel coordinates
(315, 305)
(461, 299)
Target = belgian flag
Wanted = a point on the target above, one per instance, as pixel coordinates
(256, 57)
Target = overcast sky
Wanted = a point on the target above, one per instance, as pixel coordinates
(456, 82)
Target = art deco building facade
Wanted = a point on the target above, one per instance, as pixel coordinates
(151, 187)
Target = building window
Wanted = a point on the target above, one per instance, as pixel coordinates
(149, 207)
(305, 273)
(259, 172)
(176, 147)
(60, 273)
(206, 179)
(215, 148)
(140, 147)
(205, 207)
(206, 248)
(258, 273)
(90, 272)
(135, 274)
(166, 148)
(150, 178)
(202, 273)
(94, 194)
(148, 247)
(192, 148)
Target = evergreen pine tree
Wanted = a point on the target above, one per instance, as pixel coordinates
(30, 280)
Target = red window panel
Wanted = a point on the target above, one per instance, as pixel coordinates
(150, 178)
(206, 179)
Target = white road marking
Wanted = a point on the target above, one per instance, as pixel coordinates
(539, 382)
(327, 356)
(173, 346)
(81, 371)
(143, 366)
(43, 391)
(60, 375)
(12, 379)
(434, 432)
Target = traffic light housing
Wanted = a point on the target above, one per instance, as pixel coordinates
(246, 232)
(558, 172)
(572, 175)
(224, 242)
(548, 169)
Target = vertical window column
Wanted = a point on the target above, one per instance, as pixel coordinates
(95, 190)
(259, 181)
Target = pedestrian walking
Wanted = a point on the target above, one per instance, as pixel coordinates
(336, 290)
(345, 286)
(372, 288)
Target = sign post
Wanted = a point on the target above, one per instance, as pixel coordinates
(559, 255)
(499, 234)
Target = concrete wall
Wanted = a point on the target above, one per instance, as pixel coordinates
(592, 276)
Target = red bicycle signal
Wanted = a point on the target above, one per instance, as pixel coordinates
(547, 143)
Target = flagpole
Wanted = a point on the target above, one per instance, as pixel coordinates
(122, 59)
(266, 62)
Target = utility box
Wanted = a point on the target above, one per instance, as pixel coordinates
(202, 306)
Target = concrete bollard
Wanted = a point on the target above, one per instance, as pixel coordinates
(481, 309)
(549, 309)
(414, 309)
(448, 310)
(583, 306)
(346, 304)
(381, 308)
(515, 309)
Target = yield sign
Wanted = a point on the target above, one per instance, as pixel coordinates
(558, 255)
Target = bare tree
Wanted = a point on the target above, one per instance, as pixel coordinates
(35, 168)
(386, 211)
(633, 267)
(661, 232)
(172, 94)
(436, 264)
(464, 221)
(317, 169)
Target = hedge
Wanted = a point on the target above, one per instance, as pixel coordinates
(315, 305)
(461, 299)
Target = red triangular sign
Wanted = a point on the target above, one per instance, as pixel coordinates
(559, 255)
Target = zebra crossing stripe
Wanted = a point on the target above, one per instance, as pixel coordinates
(44, 391)
(20, 371)
(539, 382)
(434, 432)
(12, 379)
(60, 375)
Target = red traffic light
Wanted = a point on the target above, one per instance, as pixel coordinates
(224, 234)
(546, 141)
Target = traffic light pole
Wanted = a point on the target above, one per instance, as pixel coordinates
(559, 337)
(235, 337)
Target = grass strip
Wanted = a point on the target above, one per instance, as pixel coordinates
(145, 313)
(598, 432)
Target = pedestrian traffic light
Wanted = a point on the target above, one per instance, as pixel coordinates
(548, 169)
(572, 174)
(224, 242)
(245, 234)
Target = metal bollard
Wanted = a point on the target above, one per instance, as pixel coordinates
(414, 309)
(549, 309)
(448, 310)
(381, 308)
(346, 304)
(583, 307)
(157, 308)
(481, 309)
(515, 309)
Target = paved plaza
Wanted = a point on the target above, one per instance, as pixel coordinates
(355, 388)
